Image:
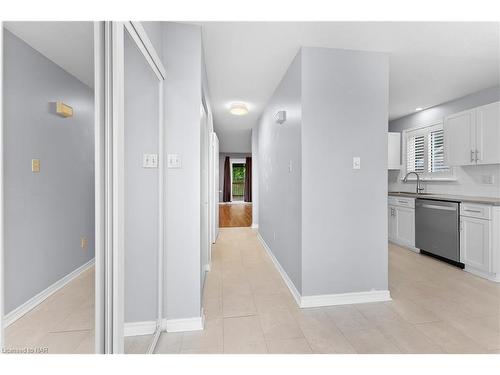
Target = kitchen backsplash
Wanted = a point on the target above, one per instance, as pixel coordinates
(480, 180)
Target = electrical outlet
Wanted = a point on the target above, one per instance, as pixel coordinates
(488, 179)
(84, 243)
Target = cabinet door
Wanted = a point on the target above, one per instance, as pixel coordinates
(391, 217)
(488, 134)
(475, 243)
(405, 227)
(394, 151)
(460, 139)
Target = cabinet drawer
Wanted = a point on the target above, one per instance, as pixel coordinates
(402, 201)
(479, 211)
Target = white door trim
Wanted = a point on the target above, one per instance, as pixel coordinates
(1, 196)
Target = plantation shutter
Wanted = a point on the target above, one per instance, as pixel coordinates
(436, 152)
(415, 153)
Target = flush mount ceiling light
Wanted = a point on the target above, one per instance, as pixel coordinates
(418, 109)
(238, 109)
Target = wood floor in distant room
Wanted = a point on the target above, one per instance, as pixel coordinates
(235, 215)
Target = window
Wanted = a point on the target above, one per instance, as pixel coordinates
(425, 152)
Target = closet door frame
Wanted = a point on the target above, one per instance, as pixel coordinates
(116, 177)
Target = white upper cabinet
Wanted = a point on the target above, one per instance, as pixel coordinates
(394, 151)
(488, 134)
(473, 137)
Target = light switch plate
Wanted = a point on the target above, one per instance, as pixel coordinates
(35, 165)
(150, 160)
(174, 161)
(356, 162)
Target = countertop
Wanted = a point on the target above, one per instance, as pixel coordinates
(448, 197)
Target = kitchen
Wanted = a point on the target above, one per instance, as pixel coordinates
(444, 193)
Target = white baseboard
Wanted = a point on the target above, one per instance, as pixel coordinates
(406, 246)
(282, 272)
(255, 226)
(207, 267)
(345, 298)
(184, 325)
(492, 277)
(139, 328)
(44, 294)
(325, 299)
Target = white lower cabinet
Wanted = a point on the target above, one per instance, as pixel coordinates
(401, 216)
(405, 226)
(475, 244)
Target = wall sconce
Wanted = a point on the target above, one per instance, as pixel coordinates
(63, 110)
(280, 117)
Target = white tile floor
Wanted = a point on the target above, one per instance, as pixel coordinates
(63, 323)
(436, 308)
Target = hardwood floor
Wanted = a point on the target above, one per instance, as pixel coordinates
(436, 308)
(235, 215)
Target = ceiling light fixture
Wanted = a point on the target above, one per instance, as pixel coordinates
(418, 109)
(238, 109)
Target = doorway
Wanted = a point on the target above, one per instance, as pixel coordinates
(238, 172)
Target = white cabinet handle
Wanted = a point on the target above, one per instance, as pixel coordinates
(476, 211)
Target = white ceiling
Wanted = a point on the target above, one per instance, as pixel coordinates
(430, 63)
(68, 44)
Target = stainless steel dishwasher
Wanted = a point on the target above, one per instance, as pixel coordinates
(437, 229)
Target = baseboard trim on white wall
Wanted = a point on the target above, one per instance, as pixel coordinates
(184, 325)
(33, 302)
(325, 299)
(345, 298)
(282, 272)
(255, 225)
(139, 328)
(492, 277)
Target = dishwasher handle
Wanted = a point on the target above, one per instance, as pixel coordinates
(436, 207)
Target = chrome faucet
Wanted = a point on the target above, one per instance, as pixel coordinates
(419, 188)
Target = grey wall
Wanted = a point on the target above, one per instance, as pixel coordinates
(279, 189)
(182, 58)
(222, 157)
(48, 212)
(469, 178)
(141, 187)
(344, 211)
(235, 140)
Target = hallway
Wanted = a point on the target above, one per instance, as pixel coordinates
(436, 309)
